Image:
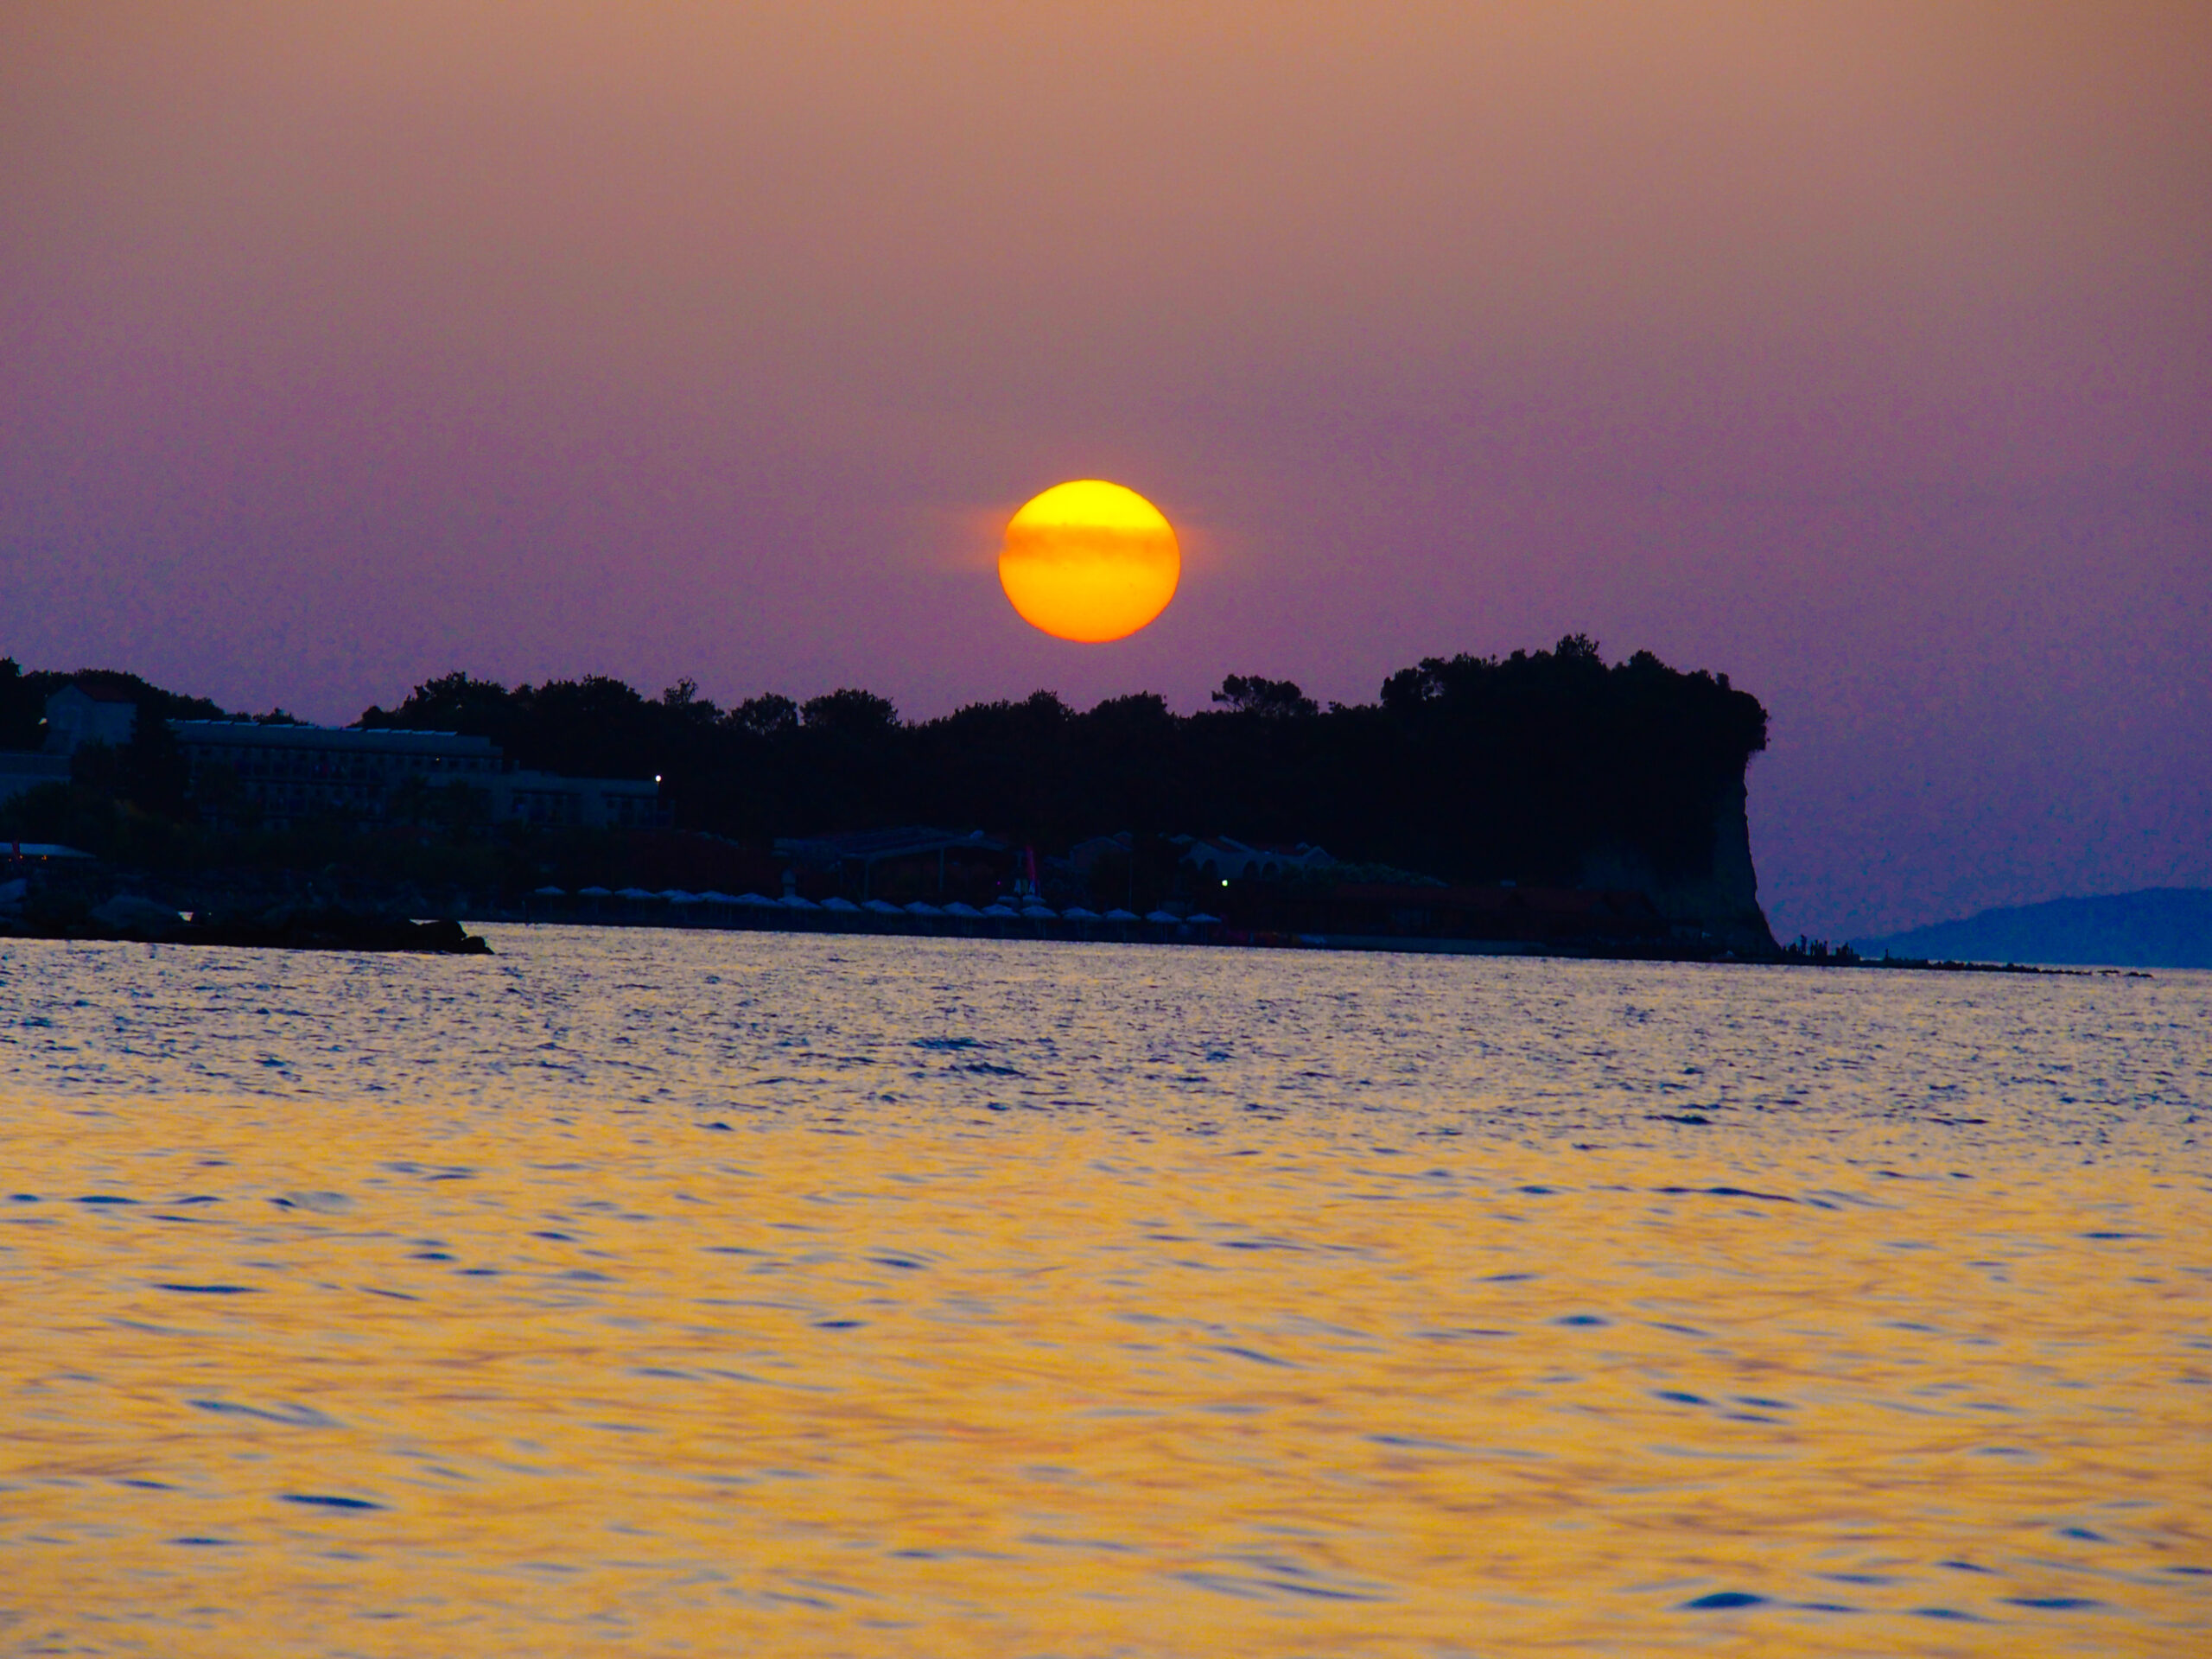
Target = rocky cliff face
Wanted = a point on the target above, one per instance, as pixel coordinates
(1720, 900)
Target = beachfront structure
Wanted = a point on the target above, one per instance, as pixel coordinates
(79, 713)
(553, 802)
(906, 862)
(1224, 858)
(280, 774)
(75, 716)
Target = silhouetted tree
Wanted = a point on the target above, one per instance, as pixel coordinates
(765, 717)
(21, 711)
(1278, 699)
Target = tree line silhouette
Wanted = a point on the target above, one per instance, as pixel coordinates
(1470, 768)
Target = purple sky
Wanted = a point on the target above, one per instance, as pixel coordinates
(1861, 352)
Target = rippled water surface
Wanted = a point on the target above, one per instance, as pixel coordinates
(641, 1292)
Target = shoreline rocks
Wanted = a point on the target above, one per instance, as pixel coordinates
(128, 919)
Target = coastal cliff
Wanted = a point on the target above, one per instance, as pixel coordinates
(1720, 900)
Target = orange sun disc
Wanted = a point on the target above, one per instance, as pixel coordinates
(1089, 561)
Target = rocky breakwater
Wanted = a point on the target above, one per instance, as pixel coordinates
(46, 915)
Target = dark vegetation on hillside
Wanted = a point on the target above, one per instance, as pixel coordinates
(1470, 769)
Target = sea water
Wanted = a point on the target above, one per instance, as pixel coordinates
(650, 1292)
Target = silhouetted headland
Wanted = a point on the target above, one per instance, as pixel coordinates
(1545, 801)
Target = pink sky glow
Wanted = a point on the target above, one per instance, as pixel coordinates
(1861, 352)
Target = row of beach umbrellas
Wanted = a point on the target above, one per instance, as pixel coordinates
(1031, 910)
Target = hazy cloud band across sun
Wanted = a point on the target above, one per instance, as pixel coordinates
(1089, 561)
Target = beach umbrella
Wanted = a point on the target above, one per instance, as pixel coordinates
(1077, 913)
(1041, 912)
(1168, 916)
(957, 908)
(922, 907)
(549, 892)
(797, 901)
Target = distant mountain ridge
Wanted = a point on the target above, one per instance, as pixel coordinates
(2159, 927)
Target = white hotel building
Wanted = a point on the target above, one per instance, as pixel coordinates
(286, 773)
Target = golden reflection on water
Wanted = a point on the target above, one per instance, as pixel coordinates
(292, 1374)
(1058, 1391)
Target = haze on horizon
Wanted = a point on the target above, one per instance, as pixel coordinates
(1860, 353)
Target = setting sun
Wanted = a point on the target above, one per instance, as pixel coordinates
(1089, 561)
